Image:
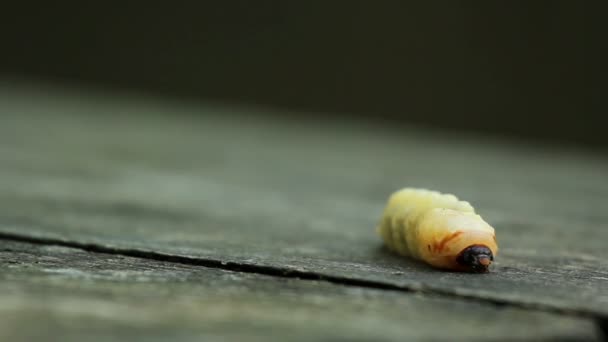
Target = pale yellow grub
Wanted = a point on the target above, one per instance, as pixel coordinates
(433, 227)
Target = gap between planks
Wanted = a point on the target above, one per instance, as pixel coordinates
(601, 320)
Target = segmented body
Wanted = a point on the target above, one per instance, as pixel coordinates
(433, 227)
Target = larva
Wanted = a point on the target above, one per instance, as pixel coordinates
(438, 229)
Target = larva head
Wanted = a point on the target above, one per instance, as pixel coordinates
(475, 258)
(454, 240)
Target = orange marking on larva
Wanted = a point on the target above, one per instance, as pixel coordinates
(439, 247)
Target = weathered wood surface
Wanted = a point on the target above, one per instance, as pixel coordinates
(86, 296)
(242, 188)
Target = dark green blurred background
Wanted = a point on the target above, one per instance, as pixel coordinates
(517, 68)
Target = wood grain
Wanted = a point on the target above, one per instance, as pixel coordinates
(245, 187)
(63, 294)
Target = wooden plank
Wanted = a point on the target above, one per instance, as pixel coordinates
(245, 187)
(64, 294)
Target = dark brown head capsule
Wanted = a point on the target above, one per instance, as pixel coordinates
(475, 258)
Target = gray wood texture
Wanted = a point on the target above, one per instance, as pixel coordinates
(244, 188)
(63, 294)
